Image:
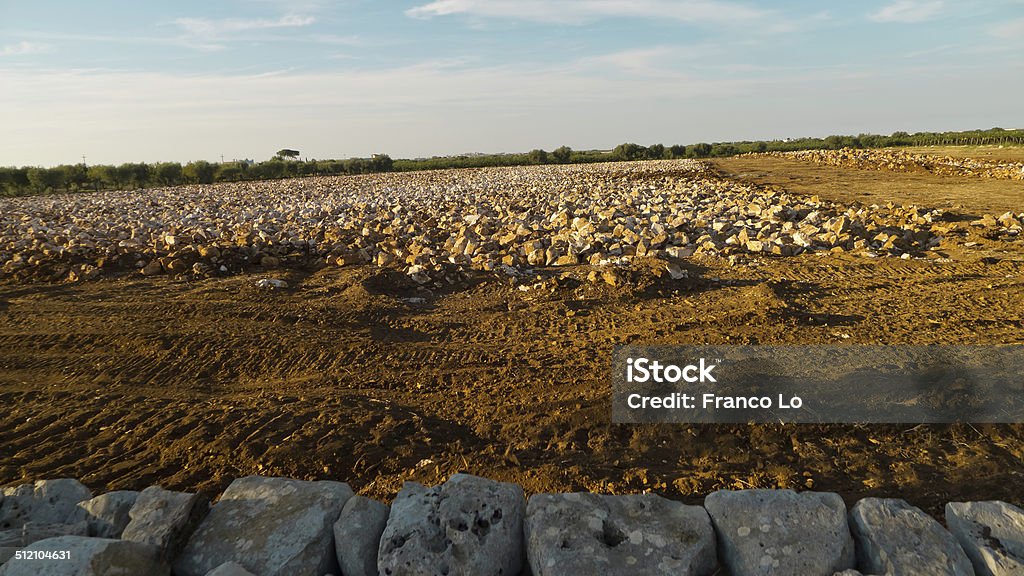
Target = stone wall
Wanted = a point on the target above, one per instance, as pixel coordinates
(474, 526)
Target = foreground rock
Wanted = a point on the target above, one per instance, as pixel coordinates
(231, 569)
(613, 535)
(992, 535)
(894, 537)
(84, 556)
(468, 526)
(107, 514)
(762, 532)
(357, 535)
(271, 527)
(45, 502)
(164, 519)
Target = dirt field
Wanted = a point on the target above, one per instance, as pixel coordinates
(136, 381)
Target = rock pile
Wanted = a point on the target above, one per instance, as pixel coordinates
(903, 161)
(474, 526)
(432, 225)
(1008, 226)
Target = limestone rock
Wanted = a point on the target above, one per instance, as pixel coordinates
(992, 535)
(894, 537)
(35, 531)
(89, 557)
(271, 526)
(466, 526)
(636, 534)
(45, 501)
(164, 519)
(231, 569)
(762, 532)
(106, 514)
(357, 535)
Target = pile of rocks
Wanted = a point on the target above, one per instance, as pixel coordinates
(1008, 226)
(903, 161)
(433, 224)
(474, 526)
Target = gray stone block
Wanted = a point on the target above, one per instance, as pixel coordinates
(468, 526)
(894, 537)
(992, 535)
(164, 519)
(611, 535)
(357, 535)
(776, 532)
(89, 557)
(45, 501)
(271, 527)
(107, 514)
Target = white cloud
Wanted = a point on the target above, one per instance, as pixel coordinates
(25, 48)
(583, 11)
(1010, 30)
(908, 11)
(211, 28)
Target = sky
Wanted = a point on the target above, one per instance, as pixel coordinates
(128, 81)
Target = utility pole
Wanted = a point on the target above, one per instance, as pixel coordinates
(83, 159)
(221, 158)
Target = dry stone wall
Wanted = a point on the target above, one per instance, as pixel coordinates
(474, 526)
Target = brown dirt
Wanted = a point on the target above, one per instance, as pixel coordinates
(134, 381)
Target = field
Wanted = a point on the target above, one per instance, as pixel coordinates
(377, 369)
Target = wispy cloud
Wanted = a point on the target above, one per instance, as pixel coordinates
(584, 11)
(216, 28)
(1010, 30)
(24, 48)
(908, 11)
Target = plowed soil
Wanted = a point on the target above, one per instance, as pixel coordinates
(135, 381)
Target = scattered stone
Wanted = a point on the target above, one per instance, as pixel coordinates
(107, 514)
(45, 502)
(992, 535)
(762, 532)
(164, 519)
(894, 537)
(903, 161)
(466, 526)
(357, 535)
(271, 283)
(271, 526)
(85, 556)
(636, 534)
(153, 268)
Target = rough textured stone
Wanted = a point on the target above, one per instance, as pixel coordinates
(107, 514)
(89, 557)
(637, 534)
(763, 532)
(894, 537)
(231, 569)
(271, 526)
(357, 535)
(164, 519)
(992, 535)
(45, 501)
(466, 526)
(31, 532)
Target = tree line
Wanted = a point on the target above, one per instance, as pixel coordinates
(15, 181)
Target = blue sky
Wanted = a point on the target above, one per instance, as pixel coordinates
(124, 81)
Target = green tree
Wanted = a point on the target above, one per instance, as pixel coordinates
(168, 173)
(46, 179)
(677, 151)
(538, 156)
(103, 176)
(562, 154)
(382, 163)
(702, 150)
(287, 153)
(655, 152)
(200, 171)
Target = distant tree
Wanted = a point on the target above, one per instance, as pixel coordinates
(136, 174)
(287, 153)
(702, 150)
(102, 176)
(44, 179)
(168, 173)
(724, 150)
(629, 151)
(538, 156)
(229, 172)
(655, 152)
(677, 151)
(562, 154)
(75, 175)
(382, 163)
(200, 171)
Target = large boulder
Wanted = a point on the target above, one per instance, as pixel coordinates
(637, 534)
(992, 535)
(106, 514)
(164, 519)
(85, 556)
(763, 532)
(894, 537)
(45, 501)
(231, 569)
(271, 527)
(31, 532)
(357, 535)
(466, 526)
